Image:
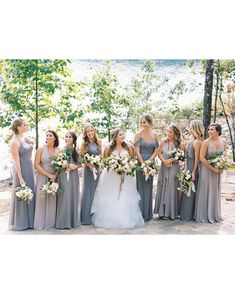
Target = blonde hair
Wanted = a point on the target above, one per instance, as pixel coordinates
(197, 129)
(85, 142)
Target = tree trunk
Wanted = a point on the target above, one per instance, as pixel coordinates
(207, 101)
(216, 91)
(229, 128)
(36, 104)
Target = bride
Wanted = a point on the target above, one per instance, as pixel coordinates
(115, 207)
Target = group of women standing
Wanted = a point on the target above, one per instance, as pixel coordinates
(106, 201)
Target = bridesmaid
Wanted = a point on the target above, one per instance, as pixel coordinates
(45, 211)
(208, 198)
(92, 145)
(146, 148)
(67, 215)
(21, 212)
(167, 197)
(192, 164)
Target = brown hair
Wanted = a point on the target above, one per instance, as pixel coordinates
(218, 127)
(85, 142)
(17, 123)
(148, 118)
(112, 145)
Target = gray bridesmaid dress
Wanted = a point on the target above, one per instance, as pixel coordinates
(67, 215)
(188, 203)
(45, 210)
(89, 187)
(208, 197)
(167, 196)
(22, 212)
(145, 188)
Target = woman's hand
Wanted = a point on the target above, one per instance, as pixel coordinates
(168, 163)
(90, 166)
(193, 176)
(72, 167)
(22, 181)
(217, 170)
(52, 177)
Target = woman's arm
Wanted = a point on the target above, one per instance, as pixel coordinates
(131, 151)
(167, 162)
(155, 152)
(16, 160)
(137, 149)
(37, 165)
(197, 147)
(106, 152)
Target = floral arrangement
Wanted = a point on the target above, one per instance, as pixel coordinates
(177, 154)
(186, 183)
(62, 160)
(95, 160)
(50, 188)
(219, 160)
(149, 168)
(122, 165)
(24, 193)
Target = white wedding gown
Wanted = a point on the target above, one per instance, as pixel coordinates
(111, 209)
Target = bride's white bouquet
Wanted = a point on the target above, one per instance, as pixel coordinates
(219, 160)
(122, 165)
(95, 160)
(24, 193)
(186, 183)
(149, 168)
(177, 154)
(50, 188)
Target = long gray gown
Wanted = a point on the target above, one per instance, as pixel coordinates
(89, 187)
(45, 210)
(145, 188)
(67, 215)
(167, 203)
(188, 203)
(22, 212)
(208, 197)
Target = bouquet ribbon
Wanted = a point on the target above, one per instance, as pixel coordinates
(146, 177)
(94, 170)
(121, 184)
(67, 172)
(192, 188)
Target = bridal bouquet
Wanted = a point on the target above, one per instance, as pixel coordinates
(219, 160)
(177, 154)
(24, 193)
(50, 188)
(122, 165)
(149, 168)
(62, 160)
(95, 160)
(186, 183)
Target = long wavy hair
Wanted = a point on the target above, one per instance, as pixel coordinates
(197, 129)
(85, 139)
(113, 143)
(75, 154)
(177, 135)
(56, 142)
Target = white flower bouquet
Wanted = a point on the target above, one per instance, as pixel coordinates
(50, 188)
(122, 165)
(186, 183)
(177, 154)
(219, 160)
(24, 193)
(62, 160)
(149, 168)
(95, 160)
